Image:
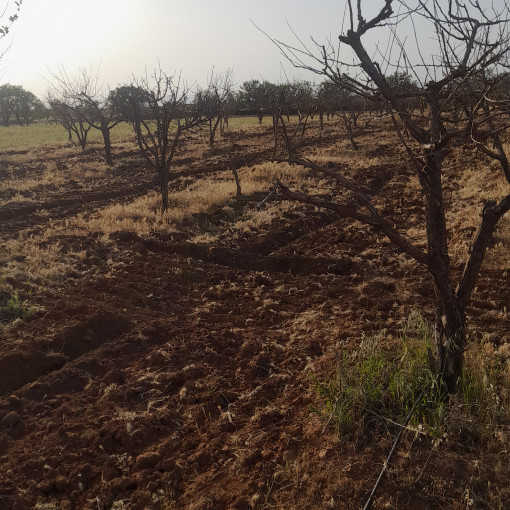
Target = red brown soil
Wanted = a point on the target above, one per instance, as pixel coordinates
(179, 375)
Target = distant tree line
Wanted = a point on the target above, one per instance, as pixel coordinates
(80, 105)
(254, 97)
(19, 105)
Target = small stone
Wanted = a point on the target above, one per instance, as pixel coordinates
(323, 454)
(51, 426)
(261, 280)
(152, 486)
(14, 400)
(50, 474)
(10, 419)
(109, 474)
(124, 484)
(147, 460)
(114, 376)
(55, 360)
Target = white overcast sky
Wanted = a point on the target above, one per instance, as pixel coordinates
(123, 38)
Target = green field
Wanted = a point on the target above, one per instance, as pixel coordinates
(34, 135)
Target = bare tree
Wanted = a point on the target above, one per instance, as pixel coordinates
(329, 97)
(66, 98)
(80, 105)
(102, 115)
(69, 113)
(215, 100)
(160, 126)
(471, 45)
(351, 109)
(299, 100)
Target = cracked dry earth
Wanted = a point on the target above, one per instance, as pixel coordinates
(180, 375)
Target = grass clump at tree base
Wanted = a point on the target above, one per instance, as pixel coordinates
(382, 380)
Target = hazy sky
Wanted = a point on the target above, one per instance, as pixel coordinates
(124, 37)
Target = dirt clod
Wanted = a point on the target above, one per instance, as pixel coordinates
(10, 420)
(147, 460)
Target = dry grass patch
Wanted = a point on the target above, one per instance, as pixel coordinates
(49, 177)
(144, 216)
(465, 207)
(31, 260)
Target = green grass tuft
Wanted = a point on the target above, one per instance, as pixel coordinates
(12, 307)
(383, 379)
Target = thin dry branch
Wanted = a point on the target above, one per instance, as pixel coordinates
(372, 219)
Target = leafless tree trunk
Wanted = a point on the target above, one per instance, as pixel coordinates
(350, 119)
(232, 165)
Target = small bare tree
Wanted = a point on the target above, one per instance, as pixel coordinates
(214, 101)
(351, 109)
(81, 105)
(470, 55)
(160, 125)
(70, 114)
(104, 118)
(297, 99)
(66, 98)
(329, 98)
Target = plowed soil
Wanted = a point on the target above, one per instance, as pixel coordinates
(166, 372)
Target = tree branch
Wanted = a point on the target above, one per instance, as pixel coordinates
(491, 214)
(374, 219)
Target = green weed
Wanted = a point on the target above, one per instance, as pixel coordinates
(383, 379)
(12, 307)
